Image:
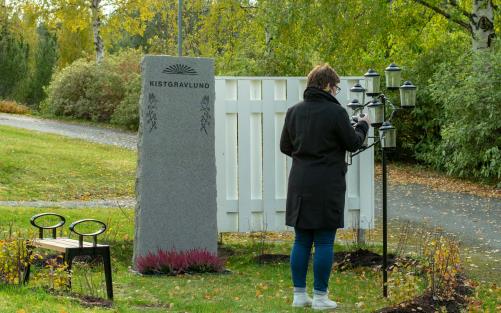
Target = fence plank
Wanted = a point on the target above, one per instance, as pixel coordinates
(244, 162)
(269, 151)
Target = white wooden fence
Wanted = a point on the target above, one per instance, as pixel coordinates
(252, 172)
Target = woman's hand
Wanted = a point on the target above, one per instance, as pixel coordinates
(365, 118)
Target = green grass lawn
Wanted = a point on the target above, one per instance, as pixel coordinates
(250, 287)
(39, 166)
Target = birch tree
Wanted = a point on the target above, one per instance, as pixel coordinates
(476, 17)
(96, 29)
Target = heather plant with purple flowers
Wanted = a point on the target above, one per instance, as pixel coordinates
(175, 263)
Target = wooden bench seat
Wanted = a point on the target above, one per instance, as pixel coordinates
(61, 244)
(72, 248)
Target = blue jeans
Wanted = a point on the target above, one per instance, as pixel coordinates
(322, 261)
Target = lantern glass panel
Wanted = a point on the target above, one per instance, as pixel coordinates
(359, 95)
(372, 84)
(408, 97)
(389, 138)
(376, 114)
(393, 79)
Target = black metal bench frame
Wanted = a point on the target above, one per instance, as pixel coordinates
(71, 248)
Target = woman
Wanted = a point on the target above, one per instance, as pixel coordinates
(316, 134)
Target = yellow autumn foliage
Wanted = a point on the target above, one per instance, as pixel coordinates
(15, 257)
(442, 265)
(13, 260)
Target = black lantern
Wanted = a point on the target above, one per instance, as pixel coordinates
(357, 92)
(372, 82)
(393, 76)
(376, 112)
(408, 95)
(388, 136)
(354, 105)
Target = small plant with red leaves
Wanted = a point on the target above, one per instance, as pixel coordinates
(174, 263)
(202, 261)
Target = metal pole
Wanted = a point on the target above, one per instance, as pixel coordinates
(385, 213)
(180, 28)
(385, 230)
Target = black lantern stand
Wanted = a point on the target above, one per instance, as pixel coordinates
(387, 133)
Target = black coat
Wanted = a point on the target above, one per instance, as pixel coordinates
(316, 134)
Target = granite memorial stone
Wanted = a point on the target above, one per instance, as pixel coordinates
(176, 174)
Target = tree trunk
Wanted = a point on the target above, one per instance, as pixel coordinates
(482, 24)
(267, 38)
(96, 28)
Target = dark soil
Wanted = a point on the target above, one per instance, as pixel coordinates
(224, 252)
(272, 258)
(85, 301)
(427, 304)
(342, 260)
(90, 302)
(359, 258)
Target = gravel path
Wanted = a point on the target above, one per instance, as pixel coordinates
(475, 220)
(90, 133)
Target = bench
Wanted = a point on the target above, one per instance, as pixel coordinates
(72, 248)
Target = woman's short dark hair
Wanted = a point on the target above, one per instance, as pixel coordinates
(321, 76)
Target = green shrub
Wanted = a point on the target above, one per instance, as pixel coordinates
(127, 112)
(84, 90)
(127, 64)
(87, 90)
(418, 130)
(468, 89)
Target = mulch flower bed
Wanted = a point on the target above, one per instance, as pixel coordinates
(90, 302)
(225, 252)
(84, 300)
(272, 258)
(359, 258)
(427, 303)
(342, 260)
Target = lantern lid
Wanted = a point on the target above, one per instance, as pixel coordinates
(408, 86)
(392, 68)
(386, 126)
(374, 103)
(357, 88)
(355, 104)
(371, 73)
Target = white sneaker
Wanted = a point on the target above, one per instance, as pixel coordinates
(322, 302)
(301, 299)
